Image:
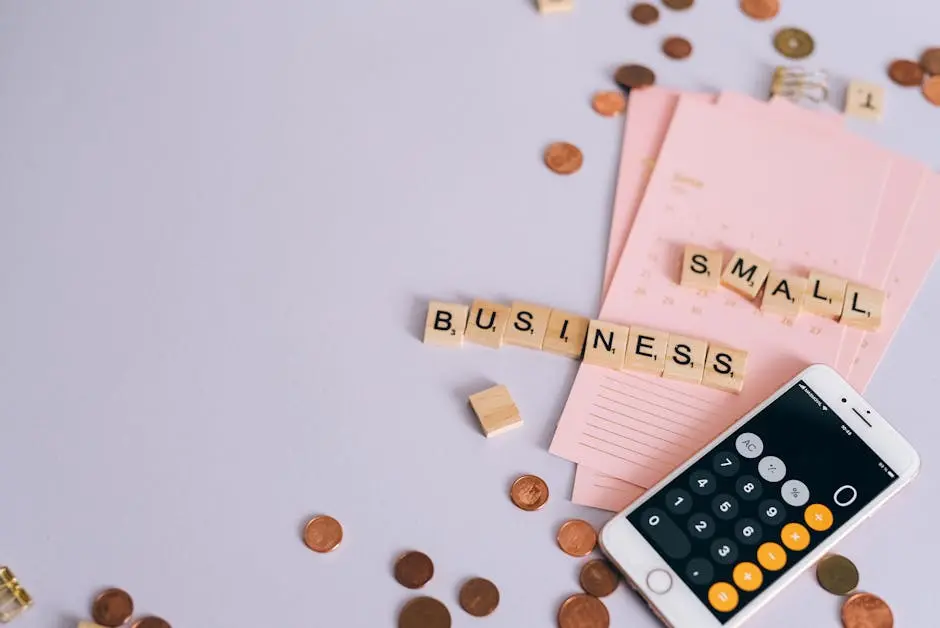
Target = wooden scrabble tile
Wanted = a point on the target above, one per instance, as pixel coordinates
(487, 323)
(745, 273)
(496, 410)
(685, 358)
(725, 368)
(701, 268)
(824, 294)
(88, 624)
(606, 344)
(783, 293)
(865, 100)
(554, 6)
(863, 308)
(565, 334)
(646, 350)
(445, 324)
(527, 325)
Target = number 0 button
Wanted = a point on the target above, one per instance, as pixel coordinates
(723, 597)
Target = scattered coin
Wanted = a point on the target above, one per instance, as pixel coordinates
(679, 5)
(837, 574)
(931, 90)
(563, 158)
(630, 76)
(677, 48)
(529, 492)
(414, 570)
(930, 61)
(323, 534)
(424, 612)
(598, 578)
(609, 104)
(645, 14)
(577, 537)
(151, 622)
(760, 9)
(794, 43)
(112, 608)
(583, 611)
(864, 610)
(479, 597)
(906, 73)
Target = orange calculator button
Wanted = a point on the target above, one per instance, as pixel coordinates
(771, 556)
(748, 576)
(795, 536)
(818, 517)
(723, 597)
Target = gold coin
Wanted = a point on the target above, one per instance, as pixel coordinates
(645, 14)
(583, 611)
(424, 612)
(414, 570)
(760, 9)
(112, 608)
(634, 76)
(529, 492)
(906, 73)
(837, 574)
(479, 597)
(794, 43)
(577, 537)
(931, 90)
(563, 158)
(678, 5)
(323, 534)
(598, 578)
(609, 104)
(677, 48)
(151, 622)
(930, 61)
(864, 610)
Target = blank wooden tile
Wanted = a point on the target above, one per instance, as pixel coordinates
(487, 323)
(701, 268)
(496, 410)
(783, 293)
(646, 350)
(824, 294)
(565, 334)
(445, 324)
(865, 100)
(554, 6)
(606, 344)
(864, 307)
(685, 358)
(745, 273)
(527, 325)
(725, 368)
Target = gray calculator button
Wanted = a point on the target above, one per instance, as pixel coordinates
(771, 468)
(749, 445)
(794, 492)
(665, 533)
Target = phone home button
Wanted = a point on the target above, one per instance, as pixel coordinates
(659, 581)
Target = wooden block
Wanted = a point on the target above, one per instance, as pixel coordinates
(824, 294)
(487, 323)
(555, 6)
(527, 325)
(606, 344)
(783, 293)
(646, 350)
(701, 268)
(445, 324)
(865, 100)
(746, 273)
(725, 368)
(685, 358)
(565, 334)
(496, 410)
(863, 307)
(88, 624)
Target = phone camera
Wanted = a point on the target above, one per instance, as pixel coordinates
(843, 400)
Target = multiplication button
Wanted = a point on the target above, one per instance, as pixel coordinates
(749, 445)
(795, 537)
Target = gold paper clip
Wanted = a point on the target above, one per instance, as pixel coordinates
(13, 598)
(799, 85)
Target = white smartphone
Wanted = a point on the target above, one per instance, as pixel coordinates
(729, 529)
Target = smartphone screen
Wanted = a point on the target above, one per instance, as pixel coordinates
(761, 499)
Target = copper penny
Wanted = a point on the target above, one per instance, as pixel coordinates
(112, 608)
(563, 158)
(677, 48)
(794, 43)
(414, 570)
(323, 534)
(930, 61)
(598, 578)
(864, 610)
(632, 75)
(760, 9)
(609, 104)
(679, 5)
(529, 492)
(424, 612)
(906, 73)
(577, 537)
(583, 611)
(645, 14)
(931, 90)
(837, 574)
(151, 622)
(479, 597)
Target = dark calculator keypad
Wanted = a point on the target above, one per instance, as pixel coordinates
(771, 512)
(725, 507)
(702, 482)
(701, 526)
(679, 501)
(748, 488)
